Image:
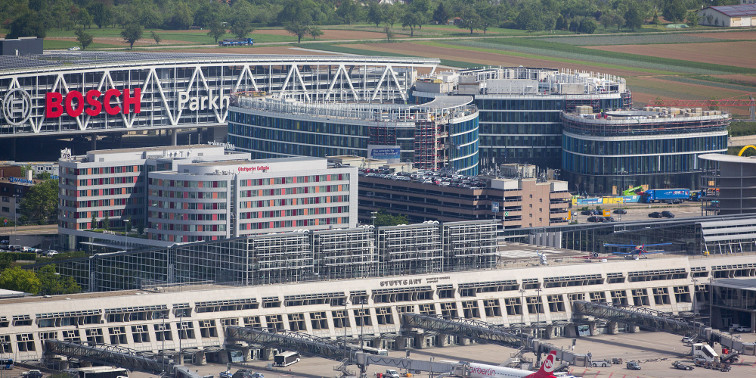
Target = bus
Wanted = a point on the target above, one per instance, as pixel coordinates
(6, 363)
(285, 359)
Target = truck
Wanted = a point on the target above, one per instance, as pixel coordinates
(666, 195)
(704, 356)
(237, 42)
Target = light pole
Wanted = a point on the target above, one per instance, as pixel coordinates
(344, 323)
(126, 235)
(695, 285)
(15, 219)
(522, 309)
(539, 306)
(362, 325)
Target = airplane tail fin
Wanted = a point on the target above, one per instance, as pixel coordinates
(547, 368)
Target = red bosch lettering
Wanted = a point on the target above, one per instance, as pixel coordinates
(93, 102)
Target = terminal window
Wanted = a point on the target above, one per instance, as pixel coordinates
(252, 322)
(319, 320)
(297, 322)
(186, 330)
(492, 307)
(207, 328)
(556, 303)
(384, 315)
(275, 322)
(513, 305)
(449, 310)
(94, 336)
(5, 344)
(470, 310)
(140, 333)
(163, 332)
(340, 319)
(71, 336)
(25, 342)
(117, 335)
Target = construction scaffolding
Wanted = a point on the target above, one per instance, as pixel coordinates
(467, 244)
(345, 253)
(429, 146)
(410, 249)
(293, 257)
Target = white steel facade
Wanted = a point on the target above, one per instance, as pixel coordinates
(98, 91)
(195, 316)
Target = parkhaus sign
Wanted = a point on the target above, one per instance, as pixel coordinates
(126, 101)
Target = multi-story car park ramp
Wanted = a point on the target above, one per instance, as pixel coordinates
(119, 356)
(659, 321)
(333, 350)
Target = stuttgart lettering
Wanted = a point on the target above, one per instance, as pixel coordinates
(75, 103)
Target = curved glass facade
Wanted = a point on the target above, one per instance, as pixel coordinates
(269, 134)
(607, 156)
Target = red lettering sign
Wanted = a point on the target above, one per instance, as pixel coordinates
(252, 169)
(74, 103)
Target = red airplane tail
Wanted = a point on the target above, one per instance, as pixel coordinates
(547, 368)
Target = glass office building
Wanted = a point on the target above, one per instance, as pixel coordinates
(439, 135)
(659, 147)
(520, 107)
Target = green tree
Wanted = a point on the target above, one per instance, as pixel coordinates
(241, 19)
(529, 19)
(348, 11)
(106, 222)
(84, 18)
(217, 30)
(410, 20)
(375, 13)
(693, 18)
(298, 29)
(440, 16)
(156, 37)
(180, 16)
(52, 283)
(633, 17)
(383, 219)
(132, 33)
(84, 39)
(27, 25)
(102, 14)
(587, 26)
(674, 11)
(389, 33)
(468, 18)
(93, 222)
(391, 13)
(314, 32)
(40, 203)
(15, 278)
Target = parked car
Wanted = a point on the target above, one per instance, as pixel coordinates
(620, 211)
(667, 214)
(609, 219)
(51, 253)
(655, 214)
(594, 218)
(682, 366)
(633, 365)
(742, 329)
(587, 212)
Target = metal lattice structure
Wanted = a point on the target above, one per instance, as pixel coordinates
(640, 316)
(180, 90)
(109, 354)
(472, 329)
(300, 342)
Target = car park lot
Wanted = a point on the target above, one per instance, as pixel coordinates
(655, 352)
(641, 211)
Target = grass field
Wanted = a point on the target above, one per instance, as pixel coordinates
(699, 63)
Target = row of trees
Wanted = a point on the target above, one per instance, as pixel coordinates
(240, 17)
(46, 281)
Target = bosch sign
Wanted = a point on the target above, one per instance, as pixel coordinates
(93, 102)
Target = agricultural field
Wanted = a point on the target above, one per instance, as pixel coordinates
(657, 66)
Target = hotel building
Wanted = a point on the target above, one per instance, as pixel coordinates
(200, 192)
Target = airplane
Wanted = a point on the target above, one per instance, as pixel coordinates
(637, 250)
(491, 371)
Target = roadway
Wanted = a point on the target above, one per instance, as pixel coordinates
(640, 211)
(47, 229)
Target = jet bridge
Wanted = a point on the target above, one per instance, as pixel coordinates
(346, 353)
(489, 333)
(660, 321)
(118, 356)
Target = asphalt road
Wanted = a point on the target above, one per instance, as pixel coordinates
(48, 229)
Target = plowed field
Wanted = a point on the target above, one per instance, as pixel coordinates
(740, 54)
